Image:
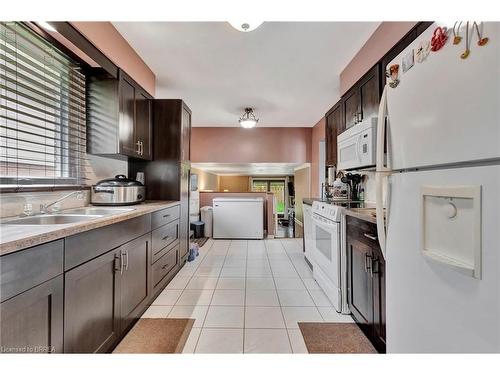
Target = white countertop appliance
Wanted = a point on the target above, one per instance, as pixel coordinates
(238, 218)
(442, 183)
(357, 145)
(329, 257)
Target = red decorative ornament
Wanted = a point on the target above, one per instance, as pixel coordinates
(439, 38)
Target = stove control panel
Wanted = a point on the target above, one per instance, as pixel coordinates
(327, 210)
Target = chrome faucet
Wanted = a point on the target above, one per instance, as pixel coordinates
(44, 208)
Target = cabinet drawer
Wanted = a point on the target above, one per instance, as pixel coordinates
(363, 231)
(157, 255)
(164, 236)
(25, 269)
(165, 216)
(164, 265)
(82, 247)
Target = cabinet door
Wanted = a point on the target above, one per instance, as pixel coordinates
(360, 283)
(351, 106)
(135, 285)
(396, 50)
(92, 305)
(334, 127)
(185, 135)
(184, 219)
(378, 272)
(369, 88)
(143, 123)
(32, 322)
(128, 144)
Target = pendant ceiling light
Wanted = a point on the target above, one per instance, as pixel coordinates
(248, 119)
(245, 27)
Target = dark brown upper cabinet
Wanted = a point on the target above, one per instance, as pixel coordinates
(361, 100)
(119, 117)
(400, 46)
(334, 126)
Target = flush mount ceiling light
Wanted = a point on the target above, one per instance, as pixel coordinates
(248, 119)
(245, 27)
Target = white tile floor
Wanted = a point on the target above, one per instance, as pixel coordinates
(246, 297)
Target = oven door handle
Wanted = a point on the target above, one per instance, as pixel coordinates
(324, 224)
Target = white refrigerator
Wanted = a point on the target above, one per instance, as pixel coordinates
(440, 187)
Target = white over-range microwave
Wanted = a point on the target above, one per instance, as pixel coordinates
(357, 145)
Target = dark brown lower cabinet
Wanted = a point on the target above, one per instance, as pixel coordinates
(378, 279)
(32, 322)
(366, 280)
(92, 305)
(360, 283)
(106, 295)
(135, 279)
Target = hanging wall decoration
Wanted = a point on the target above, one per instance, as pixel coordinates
(439, 38)
(408, 60)
(423, 50)
(456, 33)
(466, 53)
(481, 41)
(393, 75)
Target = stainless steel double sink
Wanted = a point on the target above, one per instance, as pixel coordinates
(74, 215)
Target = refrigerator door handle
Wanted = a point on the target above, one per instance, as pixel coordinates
(382, 114)
(381, 170)
(379, 181)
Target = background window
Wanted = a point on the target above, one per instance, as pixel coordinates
(274, 186)
(42, 112)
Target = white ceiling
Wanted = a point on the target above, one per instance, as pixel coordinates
(287, 71)
(248, 169)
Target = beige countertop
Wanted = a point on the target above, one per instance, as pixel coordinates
(17, 237)
(366, 213)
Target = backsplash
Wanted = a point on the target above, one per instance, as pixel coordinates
(11, 204)
(371, 188)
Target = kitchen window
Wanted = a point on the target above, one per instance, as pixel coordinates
(42, 112)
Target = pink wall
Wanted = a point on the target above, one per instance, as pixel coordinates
(318, 134)
(258, 145)
(381, 41)
(105, 37)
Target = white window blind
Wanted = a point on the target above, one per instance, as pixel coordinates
(42, 112)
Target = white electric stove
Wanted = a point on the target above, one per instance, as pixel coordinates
(329, 252)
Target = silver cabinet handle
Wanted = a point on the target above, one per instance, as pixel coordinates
(142, 148)
(368, 258)
(118, 259)
(122, 263)
(370, 236)
(138, 144)
(126, 258)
